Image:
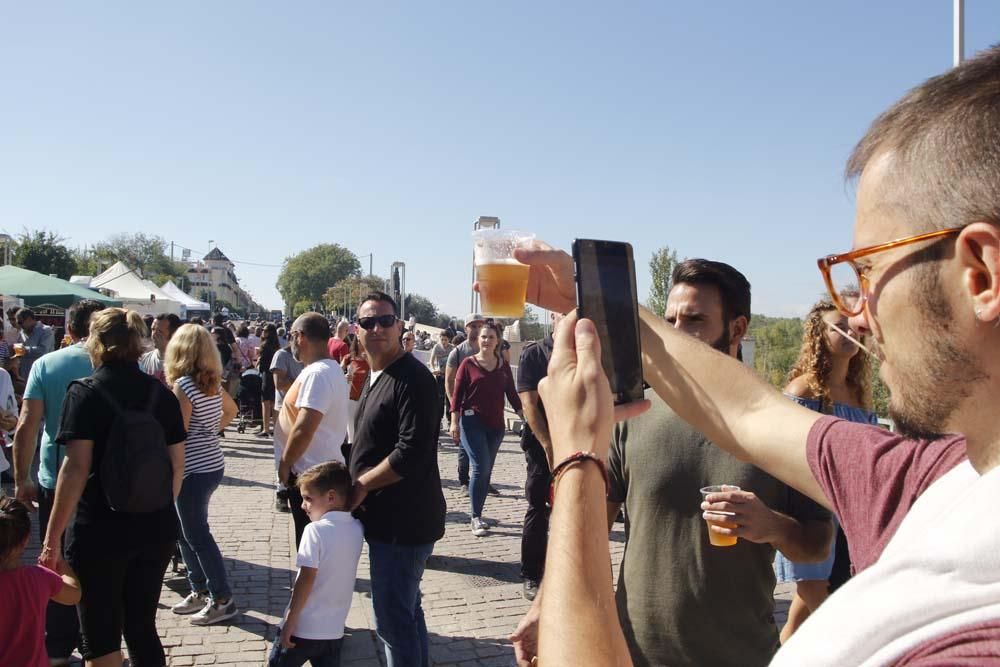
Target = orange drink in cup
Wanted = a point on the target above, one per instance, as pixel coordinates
(503, 281)
(715, 539)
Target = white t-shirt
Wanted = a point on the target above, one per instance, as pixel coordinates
(320, 386)
(938, 574)
(332, 546)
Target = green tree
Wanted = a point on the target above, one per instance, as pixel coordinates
(661, 270)
(531, 328)
(350, 289)
(145, 252)
(44, 252)
(309, 274)
(421, 308)
(777, 343)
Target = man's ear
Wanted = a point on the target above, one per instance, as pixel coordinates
(978, 252)
(738, 328)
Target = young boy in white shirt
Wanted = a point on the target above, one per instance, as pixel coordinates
(313, 627)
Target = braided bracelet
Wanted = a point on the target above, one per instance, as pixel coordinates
(576, 458)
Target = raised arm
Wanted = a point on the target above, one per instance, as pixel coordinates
(714, 393)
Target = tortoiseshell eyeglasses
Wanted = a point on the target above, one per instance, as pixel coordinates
(847, 282)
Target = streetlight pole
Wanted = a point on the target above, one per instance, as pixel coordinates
(958, 32)
(484, 222)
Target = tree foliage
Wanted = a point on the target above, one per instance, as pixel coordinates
(422, 308)
(350, 289)
(145, 252)
(776, 346)
(309, 274)
(43, 251)
(661, 270)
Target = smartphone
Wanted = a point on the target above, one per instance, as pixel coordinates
(606, 294)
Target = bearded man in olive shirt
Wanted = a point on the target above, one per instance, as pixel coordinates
(680, 599)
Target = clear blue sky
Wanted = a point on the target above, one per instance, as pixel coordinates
(718, 128)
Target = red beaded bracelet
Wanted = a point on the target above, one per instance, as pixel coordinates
(575, 458)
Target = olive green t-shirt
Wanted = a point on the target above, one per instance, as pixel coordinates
(682, 601)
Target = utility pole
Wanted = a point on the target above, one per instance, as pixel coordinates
(958, 32)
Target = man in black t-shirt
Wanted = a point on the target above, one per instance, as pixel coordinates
(532, 367)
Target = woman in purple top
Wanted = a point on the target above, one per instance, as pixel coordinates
(481, 382)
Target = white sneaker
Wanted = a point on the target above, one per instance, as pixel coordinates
(194, 602)
(214, 612)
(479, 529)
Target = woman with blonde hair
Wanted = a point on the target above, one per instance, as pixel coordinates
(832, 375)
(120, 557)
(194, 369)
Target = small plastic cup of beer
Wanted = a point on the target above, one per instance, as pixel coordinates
(503, 281)
(715, 539)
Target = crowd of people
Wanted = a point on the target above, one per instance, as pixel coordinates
(724, 483)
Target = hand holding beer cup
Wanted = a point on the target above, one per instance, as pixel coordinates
(720, 523)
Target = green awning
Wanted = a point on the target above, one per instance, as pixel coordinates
(37, 289)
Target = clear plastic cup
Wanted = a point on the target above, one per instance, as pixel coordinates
(715, 539)
(503, 281)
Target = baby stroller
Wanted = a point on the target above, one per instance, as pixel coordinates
(248, 399)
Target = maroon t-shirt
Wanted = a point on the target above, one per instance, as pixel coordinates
(872, 478)
(337, 349)
(482, 391)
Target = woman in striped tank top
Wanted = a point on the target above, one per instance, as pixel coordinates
(194, 369)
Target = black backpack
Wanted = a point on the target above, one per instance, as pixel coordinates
(135, 472)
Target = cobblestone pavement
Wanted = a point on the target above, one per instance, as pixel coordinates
(472, 587)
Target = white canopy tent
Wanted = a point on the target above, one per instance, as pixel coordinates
(188, 303)
(134, 292)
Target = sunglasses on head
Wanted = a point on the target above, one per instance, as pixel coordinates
(384, 321)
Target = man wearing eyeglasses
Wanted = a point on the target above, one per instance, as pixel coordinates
(916, 512)
(312, 424)
(397, 482)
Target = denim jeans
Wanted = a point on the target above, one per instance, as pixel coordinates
(396, 570)
(317, 652)
(62, 627)
(202, 558)
(481, 444)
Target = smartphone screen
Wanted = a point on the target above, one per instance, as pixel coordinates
(606, 294)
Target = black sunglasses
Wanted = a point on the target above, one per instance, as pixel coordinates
(384, 321)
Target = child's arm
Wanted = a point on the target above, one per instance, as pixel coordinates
(300, 593)
(69, 594)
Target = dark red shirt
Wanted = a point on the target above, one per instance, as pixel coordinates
(482, 391)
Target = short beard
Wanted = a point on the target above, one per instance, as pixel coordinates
(724, 342)
(929, 396)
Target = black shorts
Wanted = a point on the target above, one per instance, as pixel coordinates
(120, 585)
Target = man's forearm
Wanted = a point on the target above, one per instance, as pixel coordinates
(578, 578)
(25, 442)
(380, 476)
(539, 428)
(805, 541)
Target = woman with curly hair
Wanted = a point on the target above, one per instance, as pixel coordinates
(194, 369)
(831, 376)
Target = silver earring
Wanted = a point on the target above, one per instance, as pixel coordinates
(979, 314)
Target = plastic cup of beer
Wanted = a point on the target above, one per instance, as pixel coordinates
(715, 539)
(503, 281)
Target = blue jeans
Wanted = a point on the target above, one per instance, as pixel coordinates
(396, 570)
(318, 652)
(481, 444)
(202, 558)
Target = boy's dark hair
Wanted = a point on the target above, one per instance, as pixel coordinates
(329, 476)
(23, 314)
(734, 288)
(15, 525)
(79, 316)
(380, 296)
